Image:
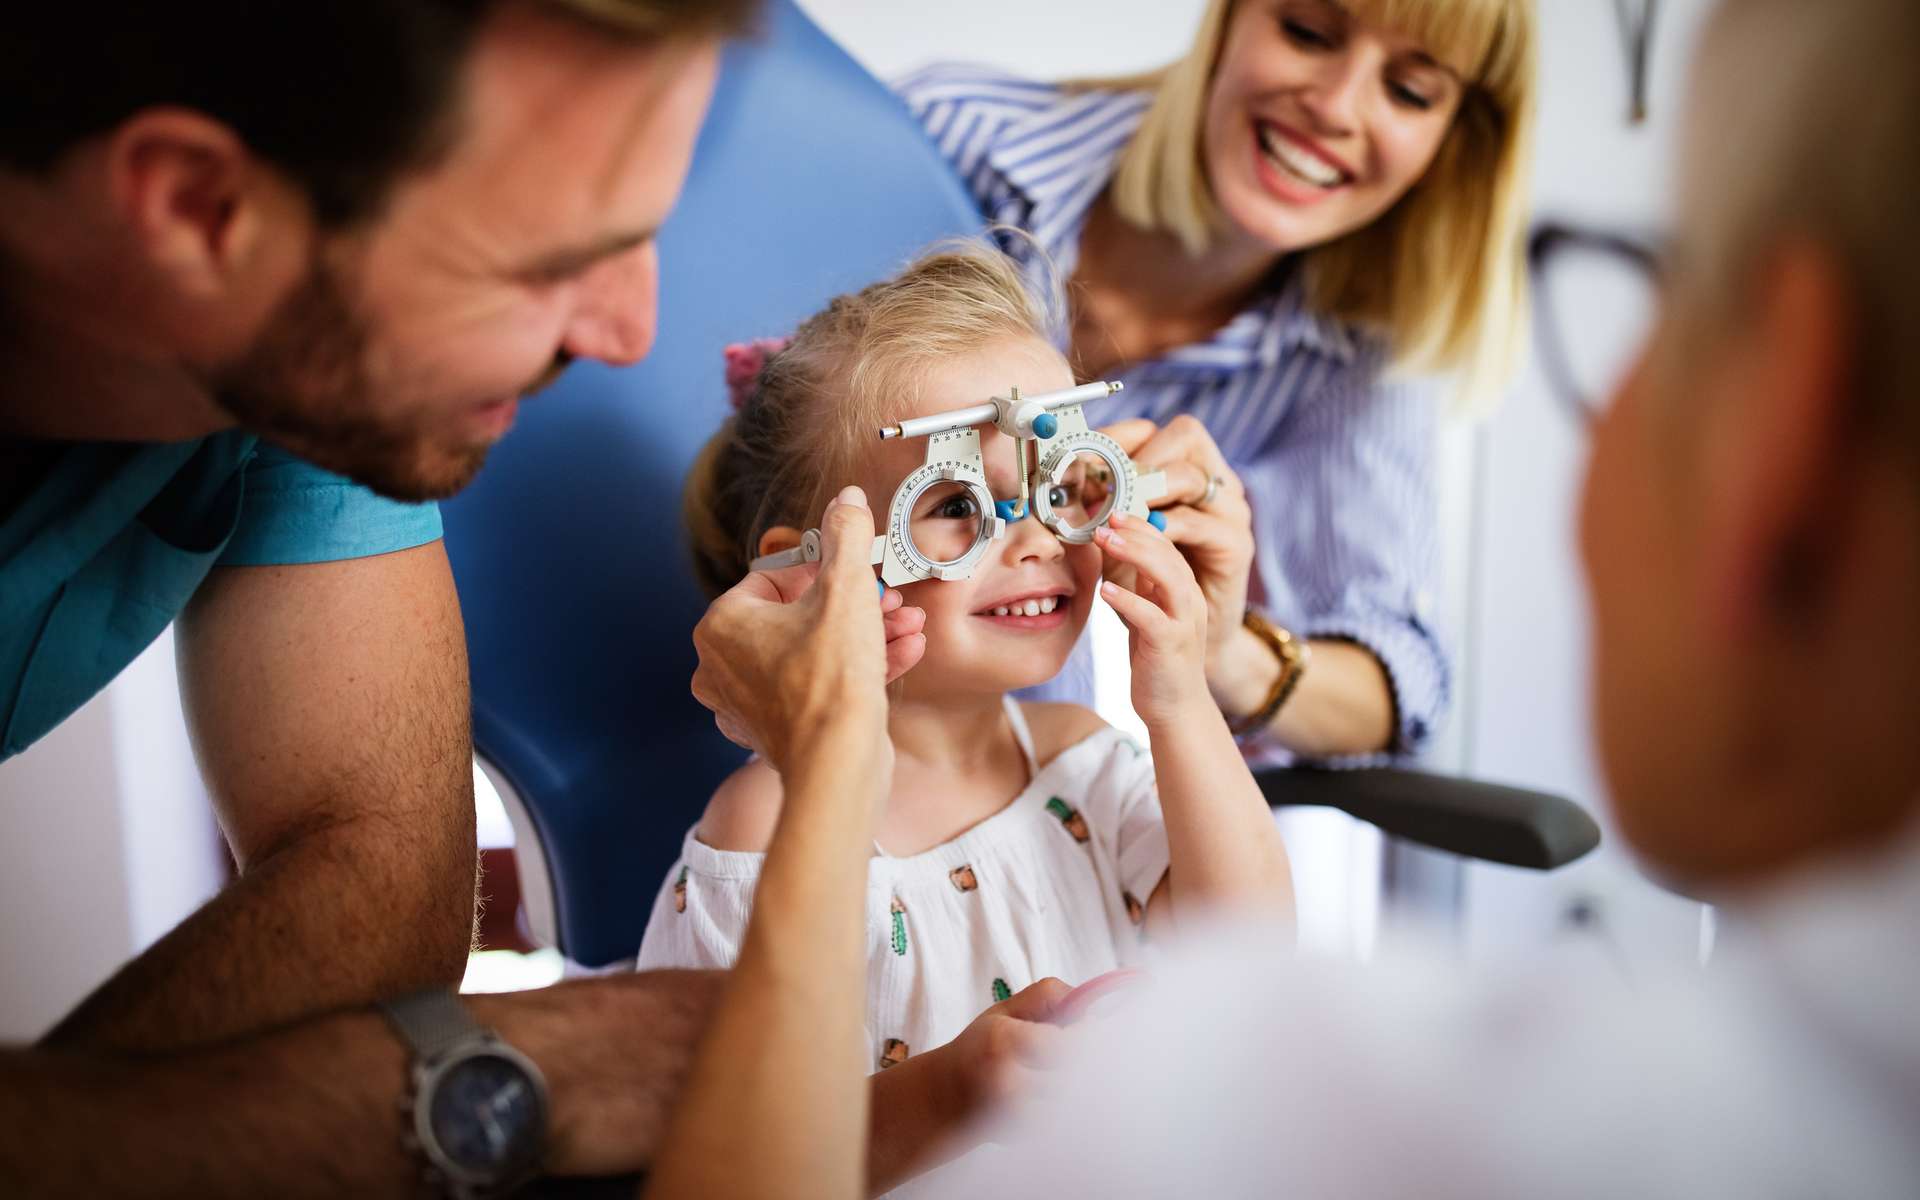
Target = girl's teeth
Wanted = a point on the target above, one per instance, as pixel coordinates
(1028, 608)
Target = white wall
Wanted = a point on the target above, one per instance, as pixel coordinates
(106, 842)
(1525, 709)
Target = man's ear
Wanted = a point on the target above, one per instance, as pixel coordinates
(205, 210)
(1777, 450)
(780, 537)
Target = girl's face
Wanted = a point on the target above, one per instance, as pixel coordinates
(1319, 121)
(980, 638)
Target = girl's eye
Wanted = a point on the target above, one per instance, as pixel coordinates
(1060, 495)
(957, 508)
(1306, 35)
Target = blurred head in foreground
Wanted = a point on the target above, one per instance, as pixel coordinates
(1751, 524)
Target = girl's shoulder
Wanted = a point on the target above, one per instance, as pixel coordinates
(744, 810)
(1058, 727)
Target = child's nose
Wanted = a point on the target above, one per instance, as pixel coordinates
(1029, 540)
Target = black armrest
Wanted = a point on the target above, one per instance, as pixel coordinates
(1462, 816)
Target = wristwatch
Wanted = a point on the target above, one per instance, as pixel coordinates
(1293, 654)
(477, 1109)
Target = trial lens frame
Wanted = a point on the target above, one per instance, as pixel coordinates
(1057, 419)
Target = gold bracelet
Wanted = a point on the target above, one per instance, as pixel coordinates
(1294, 655)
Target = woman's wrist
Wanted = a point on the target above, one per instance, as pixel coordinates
(1242, 672)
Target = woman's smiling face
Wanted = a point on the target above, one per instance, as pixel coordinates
(1318, 120)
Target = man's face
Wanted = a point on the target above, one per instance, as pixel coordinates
(401, 358)
(1645, 694)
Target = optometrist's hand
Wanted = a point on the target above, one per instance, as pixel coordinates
(1165, 611)
(1214, 532)
(786, 653)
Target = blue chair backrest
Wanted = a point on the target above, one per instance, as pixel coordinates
(810, 179)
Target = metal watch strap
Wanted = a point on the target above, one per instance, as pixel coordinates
(431, 1021)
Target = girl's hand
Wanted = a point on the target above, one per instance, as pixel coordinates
(996, 1059)
(1216, 536)
(1166, 614)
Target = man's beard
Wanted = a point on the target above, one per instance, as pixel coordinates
(306, 386)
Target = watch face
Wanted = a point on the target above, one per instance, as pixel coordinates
(486, 1115)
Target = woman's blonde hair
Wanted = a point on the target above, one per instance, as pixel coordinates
(1442, 274)
(802, 426)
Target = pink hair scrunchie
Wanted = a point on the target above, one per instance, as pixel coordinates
(745, 361)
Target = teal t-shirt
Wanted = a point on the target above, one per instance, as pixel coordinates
(114, 539)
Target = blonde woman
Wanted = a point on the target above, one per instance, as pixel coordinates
(1263, 240)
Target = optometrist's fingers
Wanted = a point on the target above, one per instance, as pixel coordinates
(1184, 437)
(906, 643)
(1132, 433)
(846, 539)
(1187, 453)
(782, 585)
(904, 654)
(1219, 545)
(904, 620)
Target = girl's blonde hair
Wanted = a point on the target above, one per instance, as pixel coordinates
(800, 430)
(1442, 274)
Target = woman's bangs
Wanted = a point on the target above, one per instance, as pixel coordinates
(1464, 35)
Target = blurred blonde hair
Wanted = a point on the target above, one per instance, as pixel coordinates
(1442, 274)
(818, 404)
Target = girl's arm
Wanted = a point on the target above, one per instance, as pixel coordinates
(1223, 848)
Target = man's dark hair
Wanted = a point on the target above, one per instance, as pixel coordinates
(342, 95)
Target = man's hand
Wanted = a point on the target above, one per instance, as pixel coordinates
(781, 646)
(312, 1109)
(615, 1052)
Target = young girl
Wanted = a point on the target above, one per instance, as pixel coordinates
(1017, 841)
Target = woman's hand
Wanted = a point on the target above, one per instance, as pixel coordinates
(785, 654)
(1215, 531)
(1165, 612)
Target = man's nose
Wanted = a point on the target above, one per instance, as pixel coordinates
(617, 312)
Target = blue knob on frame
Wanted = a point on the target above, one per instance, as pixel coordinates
(1158, 520)
(1010, 510)
(1045, 426)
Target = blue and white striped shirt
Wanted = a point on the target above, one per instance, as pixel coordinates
(1339, 463)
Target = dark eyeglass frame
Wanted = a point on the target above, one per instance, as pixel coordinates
(1548, 239)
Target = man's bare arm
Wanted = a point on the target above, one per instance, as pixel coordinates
(313, 1110)
(776, 1103)
(329, 710)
